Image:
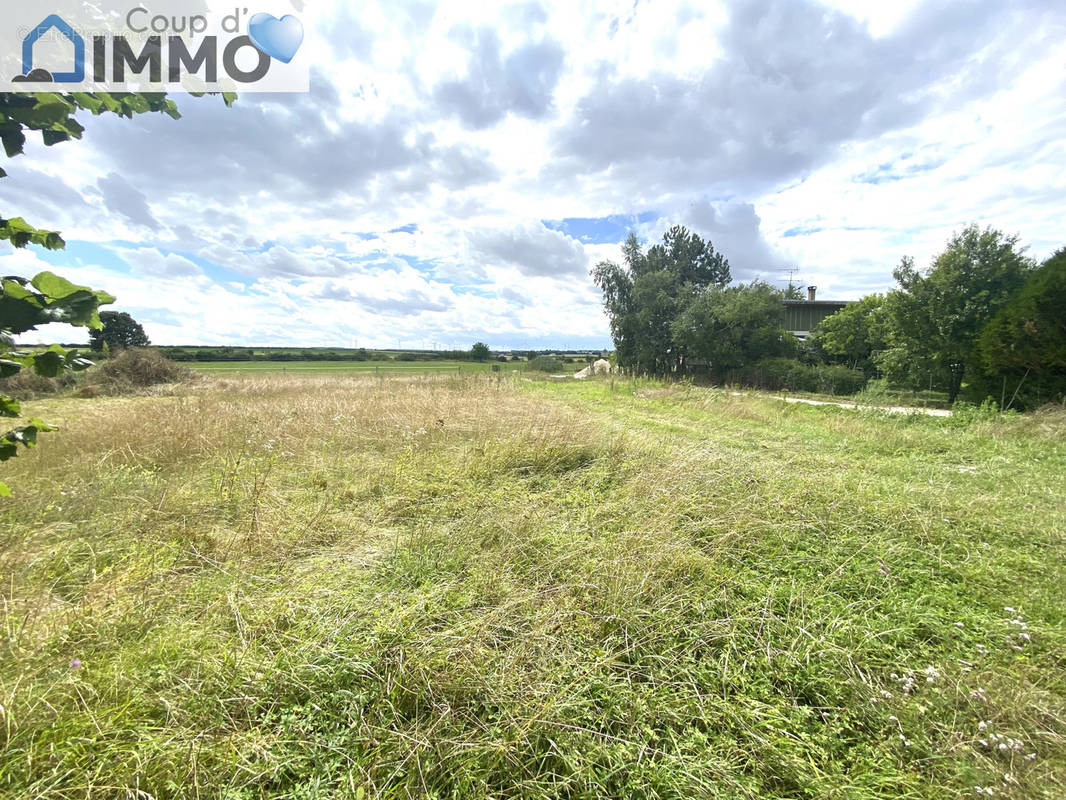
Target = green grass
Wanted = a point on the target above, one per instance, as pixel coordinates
(355, 367)
(458, 587)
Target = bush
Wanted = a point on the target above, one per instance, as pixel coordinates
(137, 368)
(546, 364)
(785, 373)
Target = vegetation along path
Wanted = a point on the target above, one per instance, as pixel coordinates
(932, 412)
(304, 586)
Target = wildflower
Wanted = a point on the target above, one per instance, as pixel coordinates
(978, 694)
(75, 663)
(1031, 757)
(1009, 610)
(982, 725)
(1008, 778)
(959, 625)
(893, 718)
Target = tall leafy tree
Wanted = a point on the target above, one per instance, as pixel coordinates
(118, 331)
(934, 317)
(1021, 352)
(854, 335)
(650, 290)
(734, 326)
(480, 352)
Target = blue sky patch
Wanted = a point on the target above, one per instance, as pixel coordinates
(601, 230)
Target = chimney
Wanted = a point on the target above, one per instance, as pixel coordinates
(810, 292)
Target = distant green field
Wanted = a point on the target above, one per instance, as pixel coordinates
(361, 367)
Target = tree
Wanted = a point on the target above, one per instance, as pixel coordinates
(480, 352)
(119, 331)
(644, 296)
(854, 335)
(733, 327)
(1021, 352)
(934, 318)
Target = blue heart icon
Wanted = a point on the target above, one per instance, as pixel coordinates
(278, 38)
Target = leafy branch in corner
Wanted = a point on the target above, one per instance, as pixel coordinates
(25, 304)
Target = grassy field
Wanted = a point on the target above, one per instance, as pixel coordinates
(457, 587)
(355, 367)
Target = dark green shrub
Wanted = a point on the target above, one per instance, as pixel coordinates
(776, 374)
(546, 364)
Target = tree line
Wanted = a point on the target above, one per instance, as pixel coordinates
(984, 320)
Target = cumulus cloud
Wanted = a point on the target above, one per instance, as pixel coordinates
(124, 198)
(404, 303)
(150, 261)
(735, 230)
(533, 249)
(521, 83)
(793, 81)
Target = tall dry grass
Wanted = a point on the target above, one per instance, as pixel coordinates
(339, 587)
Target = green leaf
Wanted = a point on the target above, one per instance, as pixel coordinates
(91, 103)
(49, 283)
(9, 368)
(9, 406)
(54, 137)
(4, 491)
(12, 137)
(48, 364)
(50, 109)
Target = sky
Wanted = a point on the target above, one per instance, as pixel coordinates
(457, 169)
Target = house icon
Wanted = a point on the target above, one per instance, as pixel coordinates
(77, 75)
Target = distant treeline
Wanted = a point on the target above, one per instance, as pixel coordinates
(305, 354)
(345, 354)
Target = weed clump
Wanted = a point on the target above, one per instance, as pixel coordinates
(139, 368)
